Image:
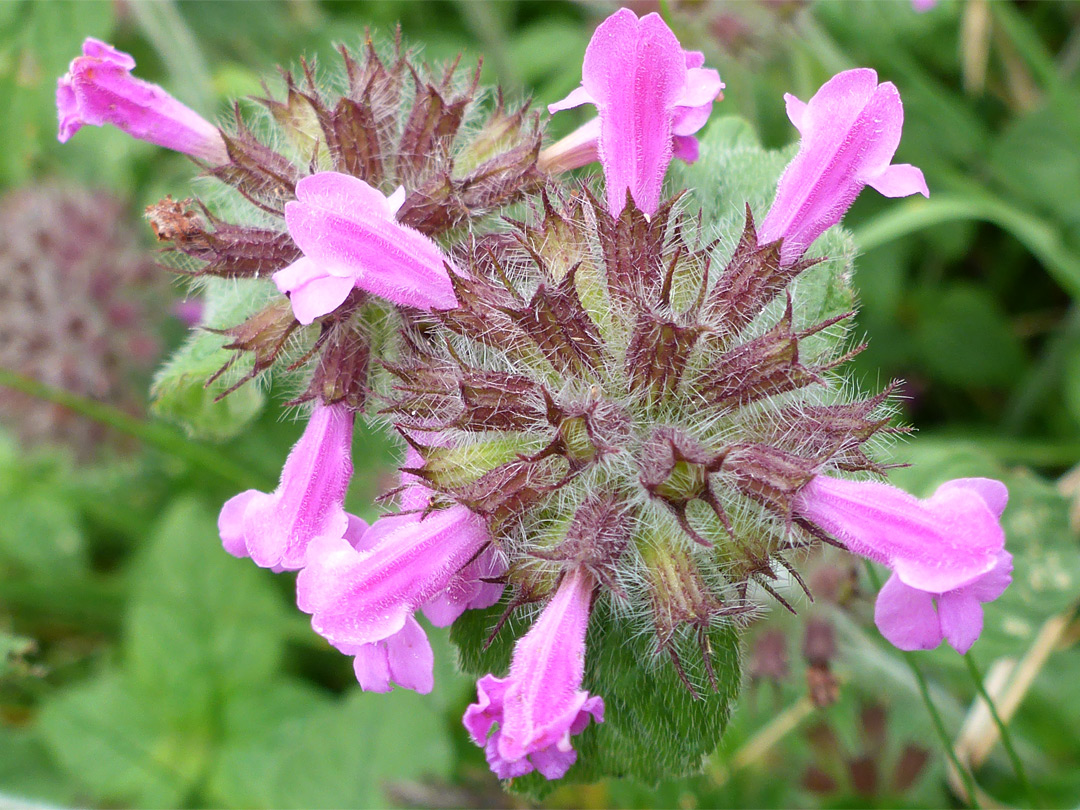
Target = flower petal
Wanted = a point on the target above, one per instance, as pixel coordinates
(635, 71)
(906, 616)
(577, 97)
(231, 522)
(411, 659)
(994, 493)
(900, 180)
(961, 618)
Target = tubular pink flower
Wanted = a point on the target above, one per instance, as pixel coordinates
(540, 705)
(350, 238)
(935, 545)
(357, 597)
(850, 130)
(274, 529)
(99, 89)
(651, 97)
(404, 658)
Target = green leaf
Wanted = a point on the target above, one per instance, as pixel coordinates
(964, 338)
(118, 747)
(180, 393)
(653, 728)
(27, 771)
(320, 753)
(40, 533)
(202, 626)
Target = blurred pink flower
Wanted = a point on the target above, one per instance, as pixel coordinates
(850, 130)
(99, 89)
(350, 238)
(651, 96)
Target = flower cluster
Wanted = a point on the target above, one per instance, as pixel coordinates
(602, 406)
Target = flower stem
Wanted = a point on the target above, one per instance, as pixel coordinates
(1003, 729)
(155, 435)
(935, 717)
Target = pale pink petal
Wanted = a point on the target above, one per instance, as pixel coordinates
(553, 763)
(702, 87)
(991, 585)
(488, 709)
(961, 619)
(994, 493)
(796, 111)
(319, 297)
(468, 590)
(97, 49)
(341, 193)
(231, 522)
(906, 616)
(67, 109)
(395, 201)
(689, 120)
(694, 59)
(356, 533)
(371, 665)
(900, 180)
(573, 151)
(411, 659)
(577, 97)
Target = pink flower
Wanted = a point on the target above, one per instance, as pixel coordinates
(943, 542)
(651, 96)
(350, 238)
(99, 89)
(362, 597)
(850, 130)
(405, 658)
(948, 547)
(907, 616)
(541, 704)
(275, 529)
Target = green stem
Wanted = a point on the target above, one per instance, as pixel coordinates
(1003, 729)
(155, 435)
(1042, 239)
(935, 717)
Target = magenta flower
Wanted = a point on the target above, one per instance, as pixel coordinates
(850, 130)
(274, 529)
(651, 97)
(99, 89)
(908, 618)
(541, 704)
(362, 597)
(350, 238)
(935, 545)
(404, 658)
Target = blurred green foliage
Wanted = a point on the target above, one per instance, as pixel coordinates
(141, 666)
